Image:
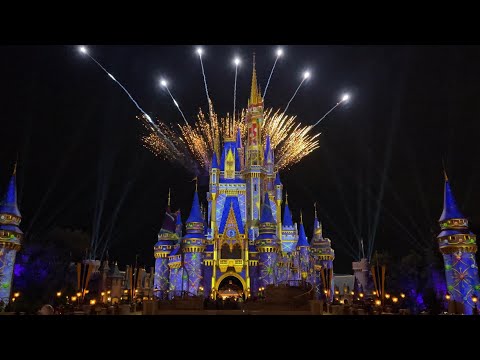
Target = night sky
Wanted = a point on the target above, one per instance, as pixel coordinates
(377, 175)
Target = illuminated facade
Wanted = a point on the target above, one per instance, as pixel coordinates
(10, 237)
(458, 247)
(242, 237)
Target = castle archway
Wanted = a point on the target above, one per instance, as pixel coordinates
(230, 284)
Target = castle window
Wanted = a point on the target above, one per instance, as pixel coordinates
(255, 187)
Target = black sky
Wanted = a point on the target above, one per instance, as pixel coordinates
(75, 133)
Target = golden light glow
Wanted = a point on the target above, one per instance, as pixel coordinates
(87, 291)
(192, 146)
(447, 296)
(474, 299)
(108, 292)
(402, 295)
(59, 294)
(125, 291)
(92, 302)
(374, 292)
(79, 294)
(395, 299)
(352, 293)
(102, 293)
(361, 295)
(109, 299)
(136, 290)
(387, 296)
(13, 299)
(17, 294)
(74, 298)
(378, 302)
(337, 292)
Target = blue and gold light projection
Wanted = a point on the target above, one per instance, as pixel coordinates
(10, 238)
(242, 235)
(458, 247)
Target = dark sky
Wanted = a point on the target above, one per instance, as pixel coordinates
(377, 175)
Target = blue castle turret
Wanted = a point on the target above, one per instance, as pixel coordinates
(458, 247)
(10, 237)
(193, 246)
(322, 255)
(167, 238)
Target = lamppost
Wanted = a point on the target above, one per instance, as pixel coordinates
(475, 300)
(447, 297)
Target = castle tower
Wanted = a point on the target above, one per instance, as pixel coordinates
(278, 201)
(115, 279)
(267, 245)
(303, 249)
(167, 238)
(193, 246)
(10, 237)
(254, 156)
(323, 256)
(458, 247)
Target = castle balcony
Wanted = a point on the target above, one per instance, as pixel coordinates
(226, 263)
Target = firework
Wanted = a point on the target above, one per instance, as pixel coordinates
(196, 143)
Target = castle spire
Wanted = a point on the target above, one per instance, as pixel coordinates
(266, 216)
(302, 238)
(287, 215)
(9, 203)
(450, 208)
(195, 213)
(255, 97)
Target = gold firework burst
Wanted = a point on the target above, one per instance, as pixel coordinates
(193, 145)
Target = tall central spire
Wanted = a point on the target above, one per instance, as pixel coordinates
(255, 97)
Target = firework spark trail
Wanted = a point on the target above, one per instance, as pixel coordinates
(237, 62)
(279, 53)
(154, 126)
(165, 85)
(306, 75)
(200, 52)
(344, 99)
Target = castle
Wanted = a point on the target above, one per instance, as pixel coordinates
(243, 238)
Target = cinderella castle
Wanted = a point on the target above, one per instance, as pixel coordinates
(243, 238)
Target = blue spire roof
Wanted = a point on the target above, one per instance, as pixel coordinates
(195, 213)
(277, 179)
(179, 218)
(287, 216)
(450, 209)
(9, 202)
(214, 161)
(266, 211)
(302, 238)
(267, 148)
(238, 142)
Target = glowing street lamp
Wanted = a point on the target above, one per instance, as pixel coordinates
(378, 302)
(387, 296)
(92, 302)
(361, 295)
(402, 295)
(447, 296)
(475, 300)
(395, 299)
(59, 294)
(17, 294)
